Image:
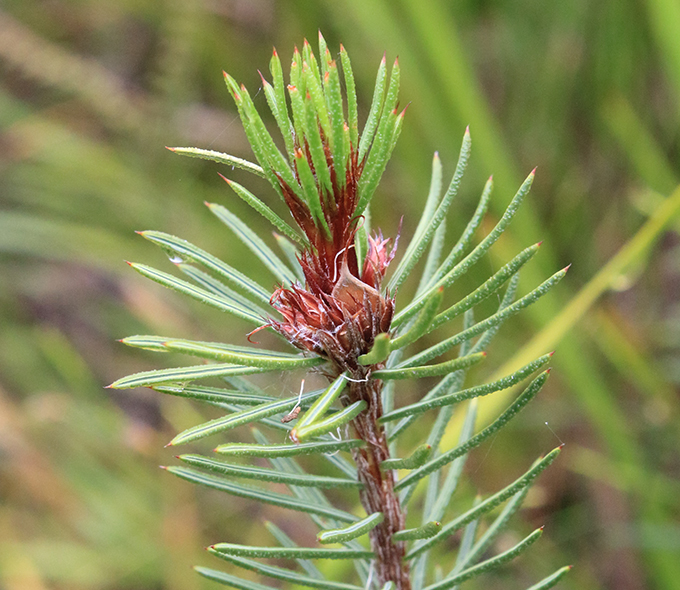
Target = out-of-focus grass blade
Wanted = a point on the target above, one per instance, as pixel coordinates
(644, 152)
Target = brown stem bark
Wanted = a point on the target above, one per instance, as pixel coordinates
(378, 494)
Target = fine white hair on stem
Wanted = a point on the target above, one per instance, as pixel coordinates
(302, 389)
(365, 380)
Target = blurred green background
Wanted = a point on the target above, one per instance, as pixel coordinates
(91, 91)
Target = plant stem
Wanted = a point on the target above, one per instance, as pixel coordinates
(378, 494)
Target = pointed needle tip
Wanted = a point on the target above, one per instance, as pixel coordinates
(540, 528)
(539, 244)
(172, 149)
(566, 268)
(533, 172)
(548, 370)
(551, 353)
(562, 446)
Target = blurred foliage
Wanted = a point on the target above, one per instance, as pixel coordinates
(90, 92)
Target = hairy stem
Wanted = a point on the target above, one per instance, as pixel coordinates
(378, 494)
